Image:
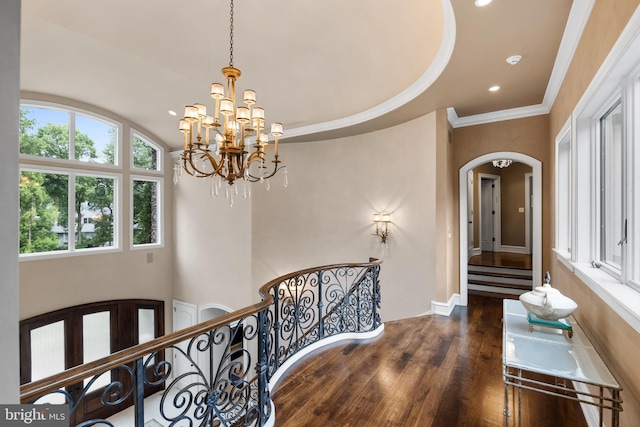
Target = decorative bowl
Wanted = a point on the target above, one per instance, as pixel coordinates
(547, 302)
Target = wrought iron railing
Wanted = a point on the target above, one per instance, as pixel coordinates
(220, 372)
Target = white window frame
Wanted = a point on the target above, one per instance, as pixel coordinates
(619, 76)
(148, 141)
(564, 196)
(160, 214)
(117, 157)
(72, 174)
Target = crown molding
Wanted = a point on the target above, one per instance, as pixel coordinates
(577, 20)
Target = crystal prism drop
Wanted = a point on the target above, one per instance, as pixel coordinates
(268, 185)
(175, 175)
(286, 178)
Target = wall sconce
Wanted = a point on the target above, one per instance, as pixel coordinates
(385, 219)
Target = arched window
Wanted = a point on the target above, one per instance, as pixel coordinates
(73, 183)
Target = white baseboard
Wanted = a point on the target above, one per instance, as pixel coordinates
(445, 308)
(514, 249)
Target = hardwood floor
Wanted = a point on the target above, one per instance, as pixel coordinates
(426, 371)
(502, 259)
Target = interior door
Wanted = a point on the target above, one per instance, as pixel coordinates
(487, 236)
(184, 315)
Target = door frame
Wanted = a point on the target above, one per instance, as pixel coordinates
(536, 244)
(470, 222)
(527, 210)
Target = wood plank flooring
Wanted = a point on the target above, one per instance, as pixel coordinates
(426, 371)
(502, 259)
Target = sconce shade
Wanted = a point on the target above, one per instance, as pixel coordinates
(384, 218)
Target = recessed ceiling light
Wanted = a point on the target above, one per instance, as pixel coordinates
(482, 3)
(514, 59)
(173, 113)
(494, 88)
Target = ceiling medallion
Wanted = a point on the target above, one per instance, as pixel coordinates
(502, 163)
(235, 129)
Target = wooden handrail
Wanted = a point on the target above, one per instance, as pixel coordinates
(35, 389)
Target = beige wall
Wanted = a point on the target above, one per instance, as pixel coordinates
(512, 192)
(212, 262)
(527, 136)
(54, 283)
(325, 215)
(615, 340)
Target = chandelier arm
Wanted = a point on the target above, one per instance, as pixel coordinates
(275, 170)
(188, 161)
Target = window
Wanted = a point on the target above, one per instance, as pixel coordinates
(61, 134)
(71, 183)
(563, 192)
(66, 211)
(611, 189)
(146, 192)
(603, 221)
(145, 202)
(146, 155)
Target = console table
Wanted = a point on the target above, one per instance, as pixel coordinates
(553, 353)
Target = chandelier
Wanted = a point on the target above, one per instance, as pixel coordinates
(501, 163)
(218, 146)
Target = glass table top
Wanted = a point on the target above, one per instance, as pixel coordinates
(550, 351)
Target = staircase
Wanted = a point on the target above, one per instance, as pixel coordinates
(497, 281)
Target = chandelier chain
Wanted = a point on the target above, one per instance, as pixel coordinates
(231, 35)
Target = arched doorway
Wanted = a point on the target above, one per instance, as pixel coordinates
(536, 241)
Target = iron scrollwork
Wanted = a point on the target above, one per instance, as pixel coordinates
(221, 376)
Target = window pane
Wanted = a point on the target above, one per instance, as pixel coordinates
(94, 212)
(146, 326)
(43, 211)
(95, 140)
(611, 169)
(145, 212)
(145, 155)
(44, 132)
(96, 342)
(47, 350)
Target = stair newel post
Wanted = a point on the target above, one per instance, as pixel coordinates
(320, 307)
(139, 393)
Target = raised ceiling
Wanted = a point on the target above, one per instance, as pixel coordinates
(325, 69)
